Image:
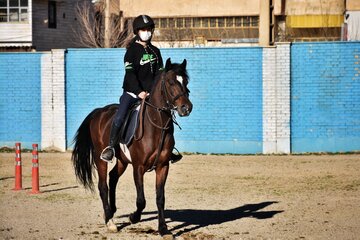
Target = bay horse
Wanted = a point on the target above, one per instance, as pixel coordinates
(150, 149)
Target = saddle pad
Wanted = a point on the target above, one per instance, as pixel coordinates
(129, 127)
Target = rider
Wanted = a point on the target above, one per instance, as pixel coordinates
(143, 62)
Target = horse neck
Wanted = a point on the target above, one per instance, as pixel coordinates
(160, 118)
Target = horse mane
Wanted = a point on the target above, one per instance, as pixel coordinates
(178, 70)
(176, 67)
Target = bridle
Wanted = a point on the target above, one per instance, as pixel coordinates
(169, 109)
(169, 98)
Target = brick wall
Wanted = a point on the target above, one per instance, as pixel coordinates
(276, 99)
(244, 101)
(226, 90)
(325, 97)
(53, 100)
(20, 99)
(93, 79)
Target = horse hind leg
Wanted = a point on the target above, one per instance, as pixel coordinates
(114, 176)
(104, 192)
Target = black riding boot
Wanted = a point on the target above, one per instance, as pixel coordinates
(108, 153)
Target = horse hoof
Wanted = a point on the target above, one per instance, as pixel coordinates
(134, 219)
(111, 226)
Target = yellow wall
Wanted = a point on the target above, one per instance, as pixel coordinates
(315, 7)
(314, 21)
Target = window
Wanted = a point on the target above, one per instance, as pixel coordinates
(188, 22)
(213, 22)
(236, 22)
(163, 23)
(197, 22)
(211, 28)
(14, 11)
(171, 22)
(221, 22)
(229, 22)
(180, 23)
(52, 14)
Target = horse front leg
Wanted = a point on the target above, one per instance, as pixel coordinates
(161, 176)
(140, 199)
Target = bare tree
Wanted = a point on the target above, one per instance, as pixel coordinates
(91, 31)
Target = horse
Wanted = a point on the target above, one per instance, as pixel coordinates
(150, 149)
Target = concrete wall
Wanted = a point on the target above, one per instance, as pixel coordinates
(353, 5)
(189, 8)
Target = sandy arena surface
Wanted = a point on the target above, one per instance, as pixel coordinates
(207, 197)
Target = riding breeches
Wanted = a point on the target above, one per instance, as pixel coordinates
(126, 100)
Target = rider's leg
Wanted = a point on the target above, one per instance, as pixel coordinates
(125, 101)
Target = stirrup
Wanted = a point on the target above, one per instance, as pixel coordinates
(175, 157)
(105, 151)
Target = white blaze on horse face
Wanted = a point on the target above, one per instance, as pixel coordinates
(180, 79)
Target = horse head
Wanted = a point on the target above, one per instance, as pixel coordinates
(174, 87)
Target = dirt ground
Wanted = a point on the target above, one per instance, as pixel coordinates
(207, 197)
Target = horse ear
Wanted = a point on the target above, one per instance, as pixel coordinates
(183, 64)
(168, 65)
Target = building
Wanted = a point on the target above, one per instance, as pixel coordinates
(27, 25)
(243, 22)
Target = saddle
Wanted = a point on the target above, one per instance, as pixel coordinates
(127, 130)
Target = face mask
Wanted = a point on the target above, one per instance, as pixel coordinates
(145, 35)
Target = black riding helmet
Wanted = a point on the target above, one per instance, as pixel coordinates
(142, 21)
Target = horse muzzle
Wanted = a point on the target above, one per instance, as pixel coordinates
(184, 110)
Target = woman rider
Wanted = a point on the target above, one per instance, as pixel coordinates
(143, 62)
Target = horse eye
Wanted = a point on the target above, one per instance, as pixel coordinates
(171, 81)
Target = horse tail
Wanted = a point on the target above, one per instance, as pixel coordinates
(83, 154)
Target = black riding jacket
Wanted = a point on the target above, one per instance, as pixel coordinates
(142, 64)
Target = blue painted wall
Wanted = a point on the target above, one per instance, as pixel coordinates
(20, 99)
(225, 85)
(93, 79)
(325, 97)
(226, 90)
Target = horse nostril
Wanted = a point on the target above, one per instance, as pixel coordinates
(185, 108)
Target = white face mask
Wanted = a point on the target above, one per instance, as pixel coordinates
(144, 35)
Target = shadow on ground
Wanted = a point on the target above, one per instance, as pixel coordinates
(193, 219)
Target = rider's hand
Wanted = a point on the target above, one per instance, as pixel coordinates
(143, 95)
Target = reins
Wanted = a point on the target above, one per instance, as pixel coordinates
(163, 128)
